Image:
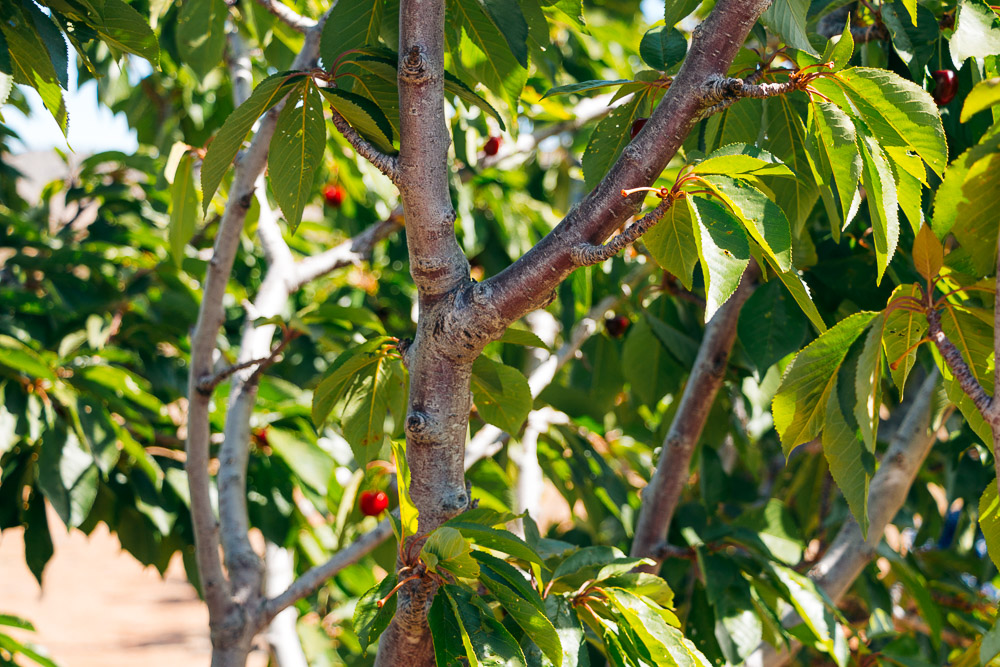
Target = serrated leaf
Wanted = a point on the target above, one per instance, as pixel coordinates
(784, 134)
(915, 41)
(762, 218)
(581, 86)
(984, 95)
(584, 563)
(517, 336)
(844, 451)
(363, 115)
(446, 632)
(123, 28)
(54, 42)
(771, 325)
(498, 540)
(234, 130)
(974, 223)
(883, 206)
(370, 620)
(487, 642)
(836, 140)
(666, 644)
(897, 112)
(509, 21)
(662, 47)
(501, 394)
(868, 383)
(446, 550)
(903, 330)
(409, 515)
(840, 48)
(740, 158)
(530, 617)
(787, 19)
(454, 85)
(201, 34)
(296, 152)
(672, 243)
(29, 63)
(183, 208)
(799, 406)
(977, 32)
(350, 25)
(723, 249)
(928, 253)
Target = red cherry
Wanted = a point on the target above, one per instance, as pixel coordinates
(945, 86)
(638, 125)
(334, 194)
(492, 146)
(373, 503)
(617, 326)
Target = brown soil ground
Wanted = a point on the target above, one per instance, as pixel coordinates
(99, 607)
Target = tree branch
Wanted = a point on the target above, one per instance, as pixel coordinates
(387, 164)
(528, 282)
(661, 496)
(586, 254)
(850, 552)
(959, 368)
(288, 16)
(249, 166)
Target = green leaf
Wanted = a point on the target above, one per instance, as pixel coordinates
(497, 540)
(336, 386)
(505, 573)
(800, 292)
(647, 365)
(840, 48)
(662, 47)
(38, 547)
(585, 563)
(950, 195)
(201, 34)
(501, 394)
(296, 152)
(408, 513)
(808, 602)
(507, 17)
(915, 41)
(799, 406)
(446, 632)
(487, 642)
(723, 249)
(609, 138)
(868, 383)
(666, 644)
(370, 620)
(18, 356)
(984, 95)
(581, 86)
(836, 141)
(883, 206)
(897, 112)
(363, 115)
(675, 10)
(54, 42)
(29, 63)
(762, 218)
(787, 19)
(446, 550)
(903, 330)
(350, 25)
(784, 134)
(774, 525)
(517, 336)
(183, 208)
(771, 325)
(974, 224)
(740, 158)
(311, 464)
(989, 520)
(454, 86)
(530, 617)
(234, 130)
(974, 339)
(672, 243)
(977, 32)
(67, 475)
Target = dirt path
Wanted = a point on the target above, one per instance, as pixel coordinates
(100, 608)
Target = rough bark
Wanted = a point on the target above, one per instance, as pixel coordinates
(660, 497)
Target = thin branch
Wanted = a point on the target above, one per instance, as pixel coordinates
(315, 577)
(210, 383)
(959, 368)
(387, 164)
(288, 16)
(586, 254)
(662, 495)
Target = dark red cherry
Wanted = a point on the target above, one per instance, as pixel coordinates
(945, 86)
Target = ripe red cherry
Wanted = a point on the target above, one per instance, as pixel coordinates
(334, 194)
(373, 503)
(492, 146)
(617, 325)
(945, 86)
(638, 125)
